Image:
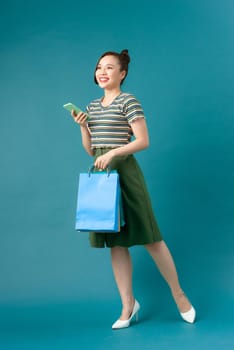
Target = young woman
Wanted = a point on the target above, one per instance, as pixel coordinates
(107, 135)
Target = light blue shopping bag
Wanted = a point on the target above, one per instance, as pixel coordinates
(98, 202)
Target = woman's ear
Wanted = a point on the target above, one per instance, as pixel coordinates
(123, 74)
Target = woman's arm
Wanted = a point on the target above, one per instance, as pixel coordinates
(141, 142)
(86, 140)
(81, 118)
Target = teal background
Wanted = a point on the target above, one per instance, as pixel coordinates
(56, 292)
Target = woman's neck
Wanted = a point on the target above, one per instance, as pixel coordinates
(109, 96)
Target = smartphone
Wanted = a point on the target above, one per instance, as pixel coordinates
(70, 106)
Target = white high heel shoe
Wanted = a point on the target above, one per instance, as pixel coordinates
(126, 323)
(189, 316)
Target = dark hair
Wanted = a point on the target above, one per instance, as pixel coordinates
(123, 58)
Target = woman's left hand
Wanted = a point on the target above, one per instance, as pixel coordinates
(103, 161)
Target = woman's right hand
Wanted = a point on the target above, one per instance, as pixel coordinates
(80, 118)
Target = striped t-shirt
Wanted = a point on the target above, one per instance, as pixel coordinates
(111, 126)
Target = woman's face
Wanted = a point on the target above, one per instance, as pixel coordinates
(108, 73)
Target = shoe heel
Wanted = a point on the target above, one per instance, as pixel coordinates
(137, 316)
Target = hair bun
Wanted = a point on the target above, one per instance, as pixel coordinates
(125, 54)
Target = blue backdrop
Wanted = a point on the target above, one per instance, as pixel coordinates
(182, 72)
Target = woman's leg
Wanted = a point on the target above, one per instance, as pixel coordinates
(164, 261)
(122, 269)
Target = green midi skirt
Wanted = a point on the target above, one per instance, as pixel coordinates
(140, 223)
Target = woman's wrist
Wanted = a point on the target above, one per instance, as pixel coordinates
(114, 152)
(84, 126)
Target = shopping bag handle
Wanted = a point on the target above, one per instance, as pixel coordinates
(91, 170)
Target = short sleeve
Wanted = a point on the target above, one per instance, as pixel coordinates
(87, 109)
(132, 108)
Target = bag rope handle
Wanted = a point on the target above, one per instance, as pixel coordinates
(92, 168)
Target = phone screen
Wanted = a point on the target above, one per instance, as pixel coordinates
(70, 106)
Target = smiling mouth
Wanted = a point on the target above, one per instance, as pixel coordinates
(103, 80)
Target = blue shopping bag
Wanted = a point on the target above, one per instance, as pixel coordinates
(98, 200)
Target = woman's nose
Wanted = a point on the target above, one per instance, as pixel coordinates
(103, 70)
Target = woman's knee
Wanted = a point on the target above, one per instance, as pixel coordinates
(155, 246)
(119, 250)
